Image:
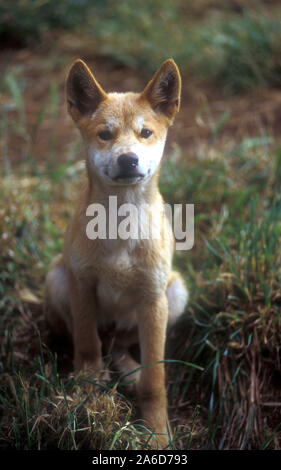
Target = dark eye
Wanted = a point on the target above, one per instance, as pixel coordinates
(145, 133)
(105, 135)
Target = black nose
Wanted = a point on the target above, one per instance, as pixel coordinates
(128, 162)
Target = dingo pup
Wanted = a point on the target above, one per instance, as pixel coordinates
(127, 284)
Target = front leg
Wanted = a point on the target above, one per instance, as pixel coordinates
(87, 344)
(152, 321)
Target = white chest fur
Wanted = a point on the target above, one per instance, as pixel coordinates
(116, 300)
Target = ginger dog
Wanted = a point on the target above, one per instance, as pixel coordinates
(127, 284)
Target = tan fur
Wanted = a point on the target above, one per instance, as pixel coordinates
(97, 284)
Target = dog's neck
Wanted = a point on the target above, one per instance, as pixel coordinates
(144, 196)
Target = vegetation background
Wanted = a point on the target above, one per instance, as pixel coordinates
(223, 155)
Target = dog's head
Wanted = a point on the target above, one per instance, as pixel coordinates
(125, 132)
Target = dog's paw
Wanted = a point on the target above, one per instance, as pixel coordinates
(81, 364)
(159, 442)
(154, 413)
(94, 369)
(92, 376)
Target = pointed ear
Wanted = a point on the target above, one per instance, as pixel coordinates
(83, 92)
(163, 91)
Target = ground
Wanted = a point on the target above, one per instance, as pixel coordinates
(209, 128)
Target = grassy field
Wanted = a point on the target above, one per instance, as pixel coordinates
(223, 155)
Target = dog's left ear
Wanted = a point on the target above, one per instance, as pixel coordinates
(83, 92)
(163, 91)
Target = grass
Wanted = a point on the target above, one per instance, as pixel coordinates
(237, 53)
(233, 321)
(48, 412)
(235, 318)
(234, 46)
(231, 328)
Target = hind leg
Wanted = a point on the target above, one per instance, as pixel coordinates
(177, 295)
(56, 302)
(122, 358)
(127, 367)
(60, 298)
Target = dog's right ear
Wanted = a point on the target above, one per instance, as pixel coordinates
(83, 92)
(163, 91)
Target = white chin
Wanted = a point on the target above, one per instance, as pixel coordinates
(126, 181)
